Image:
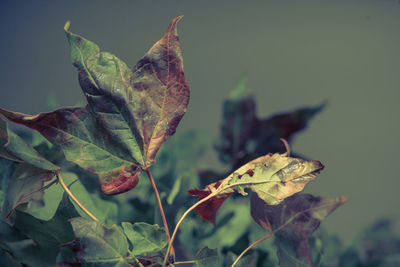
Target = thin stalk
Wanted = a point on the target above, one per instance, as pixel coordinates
(58, 174)
(183, 262)
(180, 221)
(153, 184)
(250, 247)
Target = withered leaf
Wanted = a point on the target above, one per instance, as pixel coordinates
(273, 177)
(130, 113)
(292, 222)
(245, 137)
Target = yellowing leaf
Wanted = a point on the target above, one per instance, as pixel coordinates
(273, 177)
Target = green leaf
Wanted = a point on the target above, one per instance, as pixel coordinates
(245, 137)
(293, 221)
(27, 252)
(273, 177)
(27, 185)
(145, 238)
(140, 108)
(15, 148)
(46, 237)
(47, 206)
(99, 245)
(175, 190)
(207, 257)
(85, 143)
(130, 113)
(105, 211)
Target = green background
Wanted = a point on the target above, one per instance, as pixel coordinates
(294, 53)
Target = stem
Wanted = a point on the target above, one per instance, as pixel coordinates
(58, 174)
(180, 221)
(183, 262)
(250, 247)
(153, 184)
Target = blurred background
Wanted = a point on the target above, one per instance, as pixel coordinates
(294, 54)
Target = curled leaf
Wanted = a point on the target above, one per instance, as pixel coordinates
(273, 177)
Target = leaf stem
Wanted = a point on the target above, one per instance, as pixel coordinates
(58, 174)
(153, 184)
(250, 247)
(183, 262)
(180, 221)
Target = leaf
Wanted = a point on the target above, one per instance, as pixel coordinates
(26, 185)
(293, 221)
(27, 252)
(245, 137)
(207, 257)
(105, 211)
(15, 148)
(145, 238)
(99, 245)
(273, 177)
(140, 108)
(46, 237)
(130, 113)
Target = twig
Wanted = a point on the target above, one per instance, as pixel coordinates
(250, 247)
(183, 262)
(58, 174)
(180, 221)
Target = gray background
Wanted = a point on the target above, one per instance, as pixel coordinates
(294, 53)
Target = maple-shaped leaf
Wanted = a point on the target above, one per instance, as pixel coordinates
(27, 182)
(99, 245)
(130, 113)
(273, 177)
(245, 137)
(292, 222)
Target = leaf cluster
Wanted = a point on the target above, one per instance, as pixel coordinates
(66, 199)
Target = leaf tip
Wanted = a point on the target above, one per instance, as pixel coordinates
(67, 25)
(344, 199)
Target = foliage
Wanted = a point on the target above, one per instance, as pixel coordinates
(67, 200)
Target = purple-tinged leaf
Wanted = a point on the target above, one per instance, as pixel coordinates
(245, 137)
(292, 222)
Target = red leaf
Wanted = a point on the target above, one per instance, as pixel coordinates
(208, 210)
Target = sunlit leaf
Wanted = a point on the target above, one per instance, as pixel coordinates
(292, 222)
(273, 177)
(145, 238)
(245, 137)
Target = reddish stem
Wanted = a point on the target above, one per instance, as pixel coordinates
(153, 184)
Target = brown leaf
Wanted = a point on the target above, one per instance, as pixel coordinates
(160, 83)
